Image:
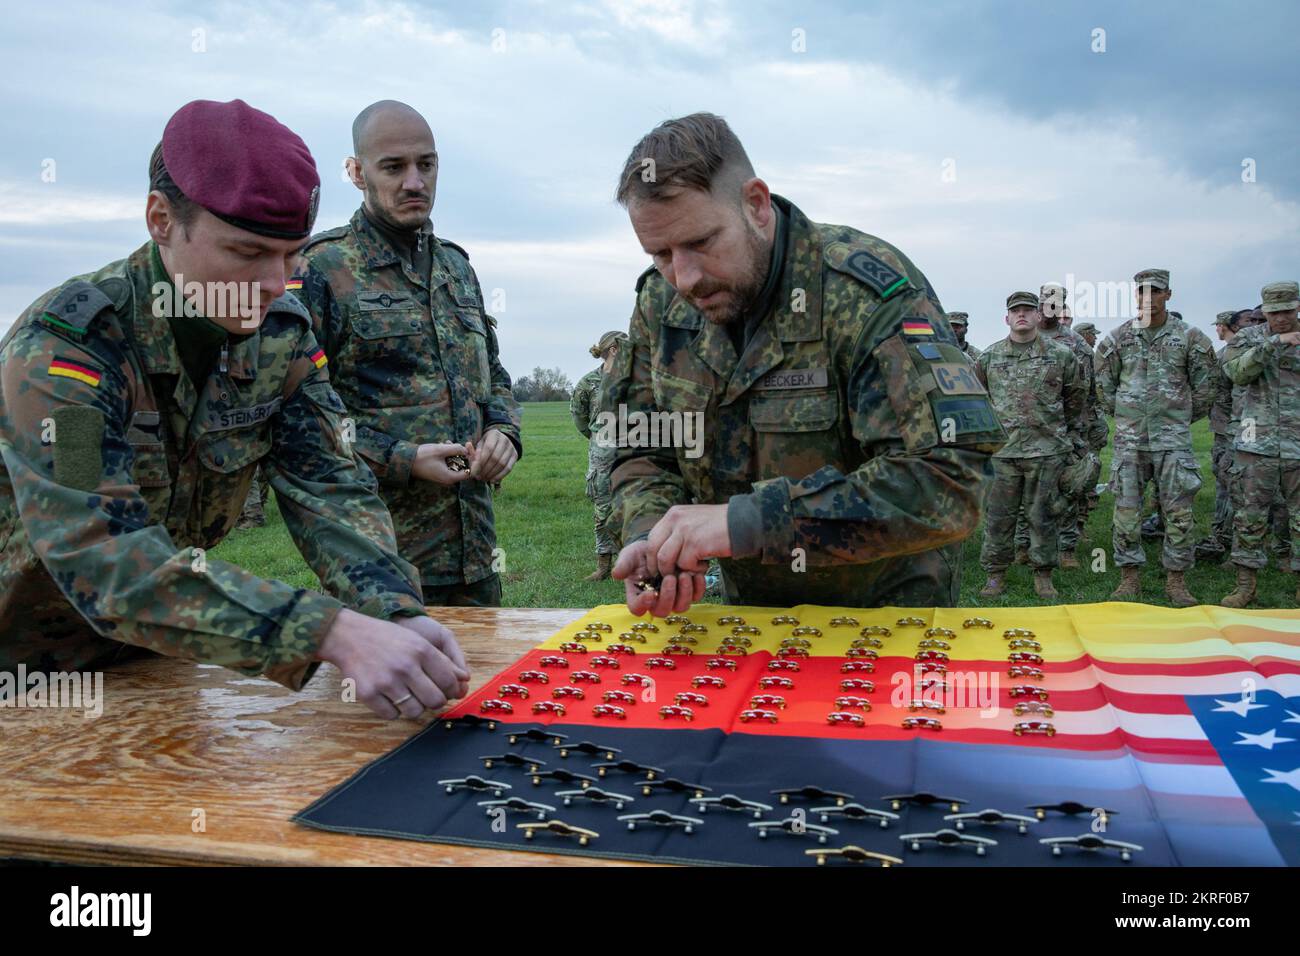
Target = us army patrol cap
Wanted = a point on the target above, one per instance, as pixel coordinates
(1051, 297)
(958, 318)
(1022, 298)
(1224, 318)
(1157, 278)
(243, 166)
(606, 340)
(1084, 327)
(1280, 296)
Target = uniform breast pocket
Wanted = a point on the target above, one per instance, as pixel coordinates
(794, 435)
(475, 368)
(228, 462)
(150, 471)
(384, 357)
(680, 421)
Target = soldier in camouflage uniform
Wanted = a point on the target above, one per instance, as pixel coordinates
(845, 437)
(584, 406)
(1037, 389)
(1221, 454)
(134, 413)
(1155, 374)
(959, 322)
(1053, 314)
(1098, 430)
(1264, 361)
(414, 357)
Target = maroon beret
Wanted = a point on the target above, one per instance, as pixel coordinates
(243, 166)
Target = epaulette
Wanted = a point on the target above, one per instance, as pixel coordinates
(290, 303)
(75, 307)
(338, 232)
(461, 250)
(641, 278)
(880, 276)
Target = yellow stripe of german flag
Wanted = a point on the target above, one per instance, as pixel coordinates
(318, 358)
(65, 368)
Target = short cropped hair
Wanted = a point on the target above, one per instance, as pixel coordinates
(182, 206)
(691, 152)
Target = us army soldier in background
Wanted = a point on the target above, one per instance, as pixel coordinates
(414, 358)
(1088, 332)
(1155, 374)
(1037, 389)
(959, 322)
(1265, 361)
(584, 406)
(1221, 454)
(1053, 316)
(846, 439)
(132, 423)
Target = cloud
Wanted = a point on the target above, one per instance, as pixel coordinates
(981, 143)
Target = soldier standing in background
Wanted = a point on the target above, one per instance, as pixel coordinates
(400, 315)
(959, 321)
(1088, 332)
(1037, 388)
(845, 436)
(1221, 454)
(584, 406)
(163, 404)
(1052, 313)
(1155, 374)
(1264, 361)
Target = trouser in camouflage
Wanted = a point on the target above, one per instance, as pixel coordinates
(1177, 479)
(1034, 485)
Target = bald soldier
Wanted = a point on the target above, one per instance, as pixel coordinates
(136, 404)
(584, 407)
(1155, 374)
(959, 322)
(839, 438)
(414, 355)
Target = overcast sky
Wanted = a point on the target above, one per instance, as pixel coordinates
(994, 143)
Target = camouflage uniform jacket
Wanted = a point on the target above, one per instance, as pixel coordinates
(1221, 412)
(1156, 382)
(584, 406)
(115, 468)
(852, 427)
(971, 351)
(1094, 422)
(1039, 394)
(414, 359)
(1268, 374)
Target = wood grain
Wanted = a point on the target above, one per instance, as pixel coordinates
(176, 736)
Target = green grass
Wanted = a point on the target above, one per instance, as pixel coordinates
(544, 527)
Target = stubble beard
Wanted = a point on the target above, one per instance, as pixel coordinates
(743, 294)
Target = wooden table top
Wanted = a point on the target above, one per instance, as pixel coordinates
(176, 737)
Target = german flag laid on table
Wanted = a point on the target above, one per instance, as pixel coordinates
(1127, 726)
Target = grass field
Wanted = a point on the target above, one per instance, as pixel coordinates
(544, 528)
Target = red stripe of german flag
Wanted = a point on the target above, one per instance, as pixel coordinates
(66, 368)
(318, 358)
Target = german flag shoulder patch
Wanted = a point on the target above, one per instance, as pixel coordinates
(318, 358)
(61, 367)
(913, 326)
(294, 284)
